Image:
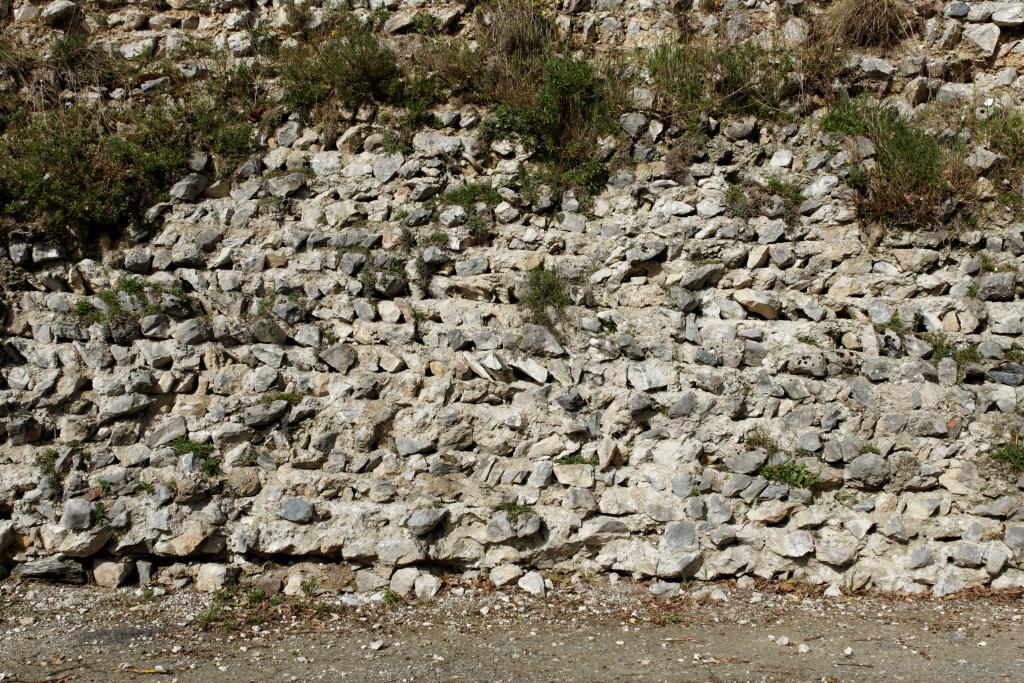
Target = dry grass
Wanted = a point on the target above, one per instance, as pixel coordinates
(867, 23)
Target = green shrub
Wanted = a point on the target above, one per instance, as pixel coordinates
(348, 66)
(426, 25)
(559, 104)
(545, 289)
(789, 191)
(72, 168)
(942, 348)
(210, 466)
(916, 180)
(441, 69)
(515, 510)
(96, 168)
(1012, 453)
(736, 202)
(516, 31)
(289, 397)
(184, 446)
(71, 63)
(1002, 132)
(847, 117)
(88, 311)
(98, 515)
(578, 459)
(469, 194)
(791, 473)
(562, 112)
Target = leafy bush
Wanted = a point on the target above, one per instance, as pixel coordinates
(545, 289)
(737, 202)
(847, 117)
(791, 473)
(426, 24)
(578, 459)
(93, 167)
(75, 167)
(515, 510)
(562, 114)
(515, 31)
(348, 65)
(87, 310)
(71, 63)
(443, 68)
(867, 23)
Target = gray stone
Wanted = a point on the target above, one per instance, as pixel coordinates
(52, 568)
(409, 445)
(387, 166)
(338, 356)
(504, 574)
(297, 510)
(189, 188)
(983, 38)
(1014, 537)
(263, 414)
(869, 470)
(1009, 17)
(427, 586)
(77, 514)
(742, 129)
(433, 143)
(111, 574)
(758, 303)
(997, 287)
(679, 537)
(212, 577)
(425, 520)
(1011, 374)
(919, 558)
(58, 11)
(286, 185)
(747, 463)
(537, 339)
(633, 123)
(123, 406)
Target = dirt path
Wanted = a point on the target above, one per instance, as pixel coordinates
(594, 632)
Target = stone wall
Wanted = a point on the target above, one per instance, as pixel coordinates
(279, 374)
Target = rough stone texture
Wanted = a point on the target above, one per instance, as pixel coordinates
(329, 361)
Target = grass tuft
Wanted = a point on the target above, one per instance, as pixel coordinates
(758, 437)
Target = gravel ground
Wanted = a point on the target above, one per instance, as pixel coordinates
(579, 632)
